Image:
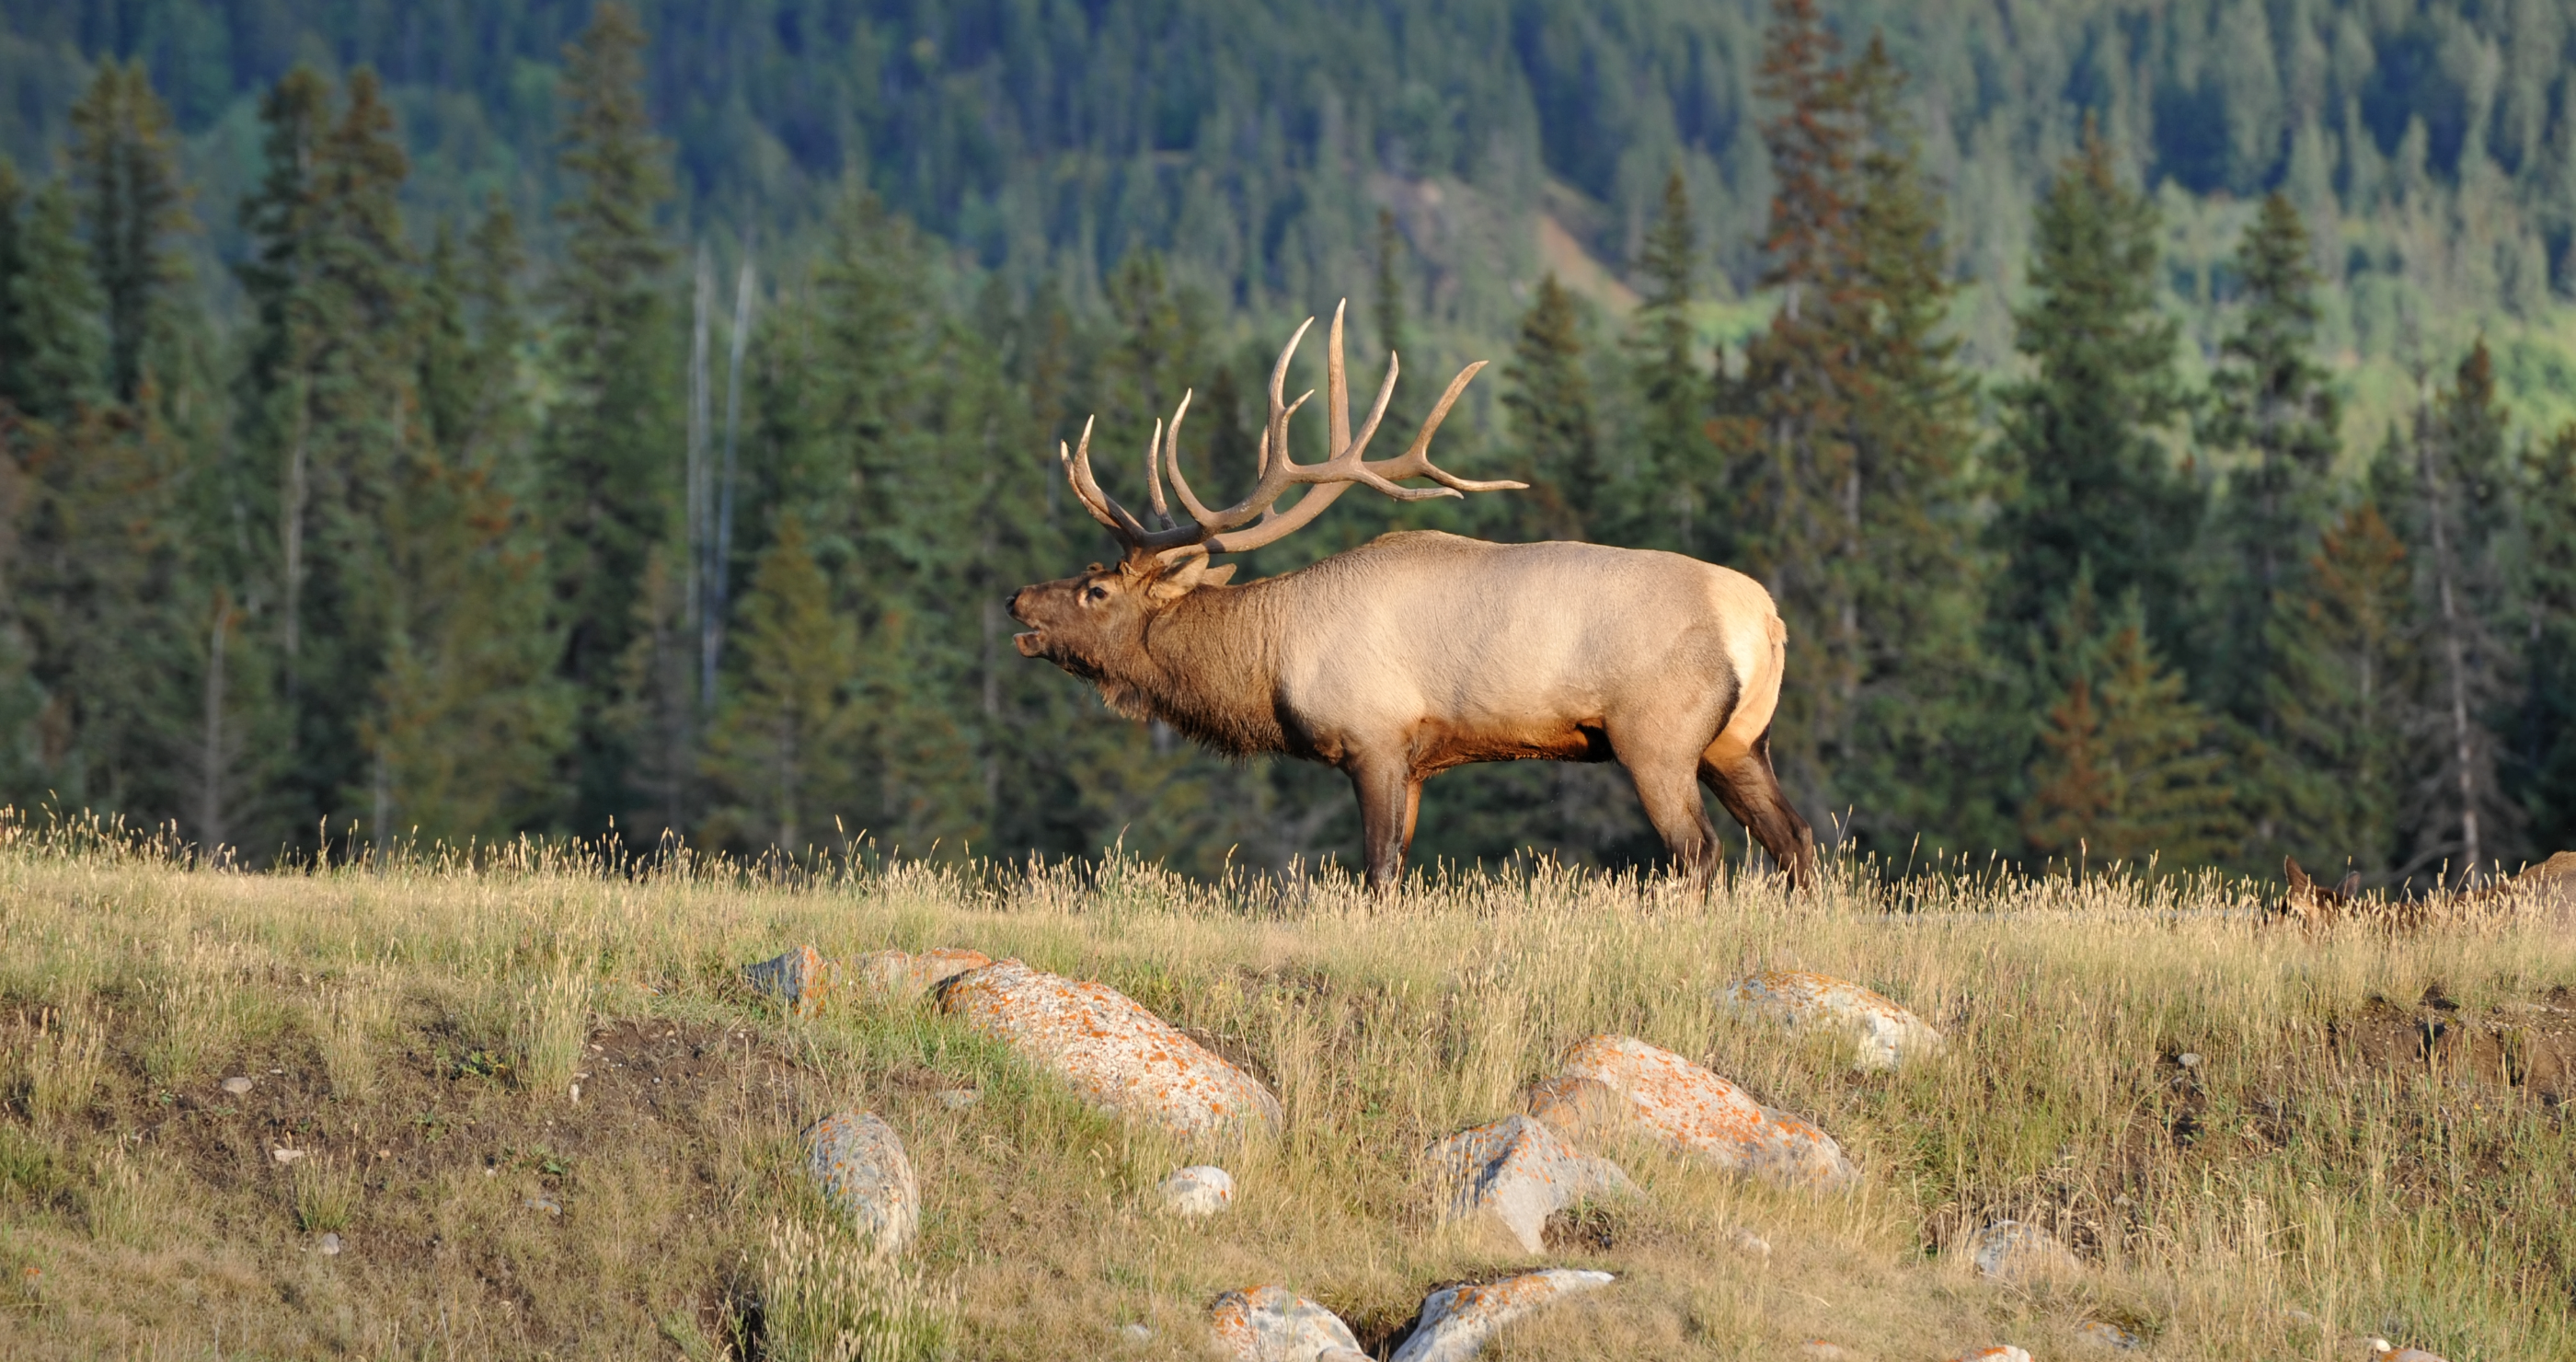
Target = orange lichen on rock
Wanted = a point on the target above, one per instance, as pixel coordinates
(801, 979)
(1114, 1053)
(1887, 1033)
(1620, 1079)
(1275, 1324)
(1458, 1321)
(858, 1164)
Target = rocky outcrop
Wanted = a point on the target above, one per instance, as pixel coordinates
(857, 1162)
(1457, 1321)
(1198, 1190)
(1110, 1050)
(1275, 1324)
(801, 980)
(902, 976)
(1514, 1173)
(1617, 1083)
(1801, 1000)
(2014, 1251)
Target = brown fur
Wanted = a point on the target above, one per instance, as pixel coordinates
(1420, 652)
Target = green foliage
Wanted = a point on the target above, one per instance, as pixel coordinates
(1550, 400)
(125, 155)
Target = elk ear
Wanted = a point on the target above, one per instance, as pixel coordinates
(2298, 874)
(2350, 886)
(1186, 576)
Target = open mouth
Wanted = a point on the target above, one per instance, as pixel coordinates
(1028, 643)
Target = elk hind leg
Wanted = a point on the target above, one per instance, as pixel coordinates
(1680, 816)
(1744, 781)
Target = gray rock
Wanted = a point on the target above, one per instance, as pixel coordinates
(858, 1163)
(1275, 1324)
(1135, 1333)
(1802, 1000)
(1110, 1050)
(330, 1245)
(1458, 1321)
(1746, 1242)
(2102, 1333)
(1200, 1189)
(236, 1085)
(1515, 1173)
(2013, 1251)
(959, 1099)
(801, 980)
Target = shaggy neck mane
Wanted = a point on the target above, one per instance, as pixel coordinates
(1206, 669)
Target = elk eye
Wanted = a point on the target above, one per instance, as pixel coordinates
(1097, 593)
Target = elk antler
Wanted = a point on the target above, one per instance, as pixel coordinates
(1226, 531)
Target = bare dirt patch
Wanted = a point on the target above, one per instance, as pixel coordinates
(2526, 1045)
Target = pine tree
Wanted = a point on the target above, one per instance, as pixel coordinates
(55, 310)
(126, 157)
(1678, 464)
(2546, 734)
(2269, 399)
(1387, 306)
(2085, 481)
(2127, 771)
(1550, 401)
(786, 739)
(2341, 688)
(1911, 756)
(606, 463)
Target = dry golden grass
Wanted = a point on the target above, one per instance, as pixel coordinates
(2370, 1142)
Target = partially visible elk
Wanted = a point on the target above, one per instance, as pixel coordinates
(2548, 888)
(1418, 651)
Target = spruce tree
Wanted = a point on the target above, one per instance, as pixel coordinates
(57, 314)
(2085, 481)
(2270, 404)
(607, 456)
(125, 153)
(2127, 770)
(2546, 732)
(1678, 466)
(783, 746)
(1552, 424)
(2341, 686)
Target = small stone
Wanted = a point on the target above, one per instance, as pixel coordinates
(2102, 1333)
(1135, 1333)
(1457, 1321)
(1618, 1082)
(2001, 1352)
(2389, 1352)
(959, 1099)
(1112, 1051)
(1747, 1242)
(544, 1205)
(286, 1155)
(1274, 1324)
(858, 1163)
(1801, 1000)
(902, 977)
(330, 1245)
(2012, 1251)
(800, 980)
(1515, 1173)
(237, 1084)
(2188, 1060)
(1200, 1189)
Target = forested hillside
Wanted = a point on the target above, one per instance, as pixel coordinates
(466, 419)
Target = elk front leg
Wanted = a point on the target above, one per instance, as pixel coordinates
(1389, 798)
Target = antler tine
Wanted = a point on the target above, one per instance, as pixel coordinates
(1416, 461)
(1077, 471)
(1154, 476)
(1337, 388)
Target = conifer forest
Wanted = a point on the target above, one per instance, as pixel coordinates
(455, 421)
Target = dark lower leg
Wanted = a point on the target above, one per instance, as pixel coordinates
(1386, 825)
(1673, 805)
(1750, 790)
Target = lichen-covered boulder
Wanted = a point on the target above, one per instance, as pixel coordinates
(1275, 1324)
(1110, 1050)
(1802, 1000)
(902, 976)
(1198, 1190)
(858, 1163)
(1619, 1082)
(2001, 1352)
(2014, 1251)
(1458, 1321)
(1515, 1173)
(801, 980)
(2102, 1333)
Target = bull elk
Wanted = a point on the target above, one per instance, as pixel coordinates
(1419, 651)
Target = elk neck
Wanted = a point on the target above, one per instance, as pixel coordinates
(1208, 666)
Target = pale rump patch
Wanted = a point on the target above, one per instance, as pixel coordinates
(1762, 672)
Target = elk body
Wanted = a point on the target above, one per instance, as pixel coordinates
(1418, 651)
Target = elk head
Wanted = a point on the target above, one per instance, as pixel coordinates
(1090, 624)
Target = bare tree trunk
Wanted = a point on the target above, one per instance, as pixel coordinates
(2454, 655)
(210, 788)
(291, 531)
(720, 542)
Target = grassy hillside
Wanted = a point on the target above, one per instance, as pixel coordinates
(2368, 1142)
